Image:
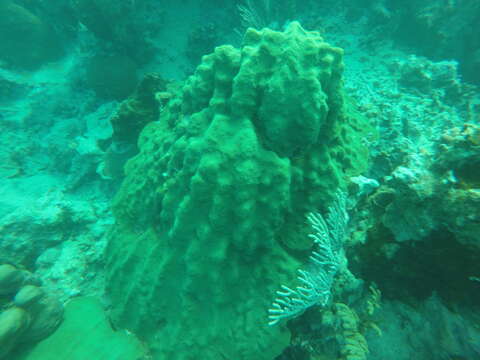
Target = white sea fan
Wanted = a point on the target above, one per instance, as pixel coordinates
(317, 278)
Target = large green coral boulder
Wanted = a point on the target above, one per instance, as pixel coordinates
(209, 213)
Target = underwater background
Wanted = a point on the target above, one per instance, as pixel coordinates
(239, 179)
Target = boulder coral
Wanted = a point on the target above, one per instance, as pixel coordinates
(209, 212)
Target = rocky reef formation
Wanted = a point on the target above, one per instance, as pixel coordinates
(210, 217)
(417, 232)
(142, 107)
(442, 30)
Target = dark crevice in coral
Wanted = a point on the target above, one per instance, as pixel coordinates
(417, 269)
(468, 174)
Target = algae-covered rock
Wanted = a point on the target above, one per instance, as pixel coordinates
(86, 334)
(137, 110)
(10, 279)
(46, 312)
(28, 295)
(217, 195)
(34, 314)
(13, 323)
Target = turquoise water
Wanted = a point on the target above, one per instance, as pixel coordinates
(242, 180)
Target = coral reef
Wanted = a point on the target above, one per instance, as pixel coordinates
(315, 281)
(442, 30)
(210, 219)
(131, 116)
(26, 233)
(437, 79)
(439, 192)
(221, 180)
(423, 225)
(422, 330)
(142, 107)
(339, 329)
